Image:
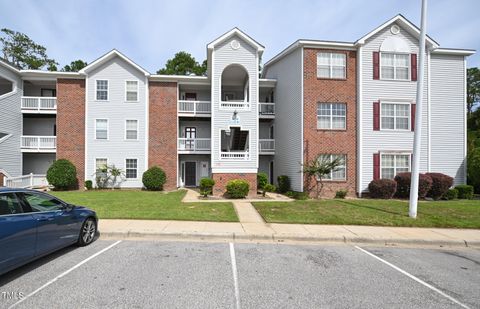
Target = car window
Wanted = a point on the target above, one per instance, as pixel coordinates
(9, 204)
(42, 202)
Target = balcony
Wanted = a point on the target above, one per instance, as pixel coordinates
(39, 105)
(39, 143)
(194, 108)
(194, 145)
(267, 146)
(266, 110)
(235, 156)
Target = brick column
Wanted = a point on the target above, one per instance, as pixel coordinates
(221, 180)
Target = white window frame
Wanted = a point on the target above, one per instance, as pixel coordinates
(341, 166)
(131, 139)
(395, 154)
(395, 116)
(108, 90)
(95, 163)
(108, 131)
(138, 91)
(330, 66)
(409, 67)
(331, 116)
(131, 168)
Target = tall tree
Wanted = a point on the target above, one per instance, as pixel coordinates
(473, 89)
(183, 64)
(23, 52)
(74, 66)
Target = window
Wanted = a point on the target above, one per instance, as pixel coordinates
(395, 116)
(392, 164)
(395, 66)
(42, 202)
(331, 115)
(331, 65)
(131, 168)
(340, 173)
(6, 86)
(102, 90)
(131, 91)
(9, 204)
(101, 167)
(101, 128)
(131, 129)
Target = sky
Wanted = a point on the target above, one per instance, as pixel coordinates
(151, 32)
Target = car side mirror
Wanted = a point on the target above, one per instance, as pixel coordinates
(68, 207)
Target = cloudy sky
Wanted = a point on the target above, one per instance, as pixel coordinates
(150, 32)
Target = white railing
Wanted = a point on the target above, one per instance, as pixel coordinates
(235, 104)
(26, 181)
(39, 103)
(193, 144)
(39, 142)
(194, 107)
(234, 155)
(266, 109)
(267, 145)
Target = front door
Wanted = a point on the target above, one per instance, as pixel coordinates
(190, 174)
(189, 96)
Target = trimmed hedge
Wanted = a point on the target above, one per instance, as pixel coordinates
(452, 194)
(206, 186)
(440, 185)
(88, 184)
(382, 188)
(341, 194)
(268, 188)
(262, 180)
(237, 188)
(154, 178)
(465, 191)
(62, 175)
(403, 185)
(283, 183)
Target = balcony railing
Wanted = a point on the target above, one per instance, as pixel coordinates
(26, 181)
(267, 146)
(266, 109)
(234, 156)
(39, 143)
(194, 107)
(234, 104)
(39, 104)
(194, 144)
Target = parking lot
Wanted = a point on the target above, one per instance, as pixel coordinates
(165, 274)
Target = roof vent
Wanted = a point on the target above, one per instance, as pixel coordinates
(395, 29)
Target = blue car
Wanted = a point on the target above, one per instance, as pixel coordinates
(34, 224)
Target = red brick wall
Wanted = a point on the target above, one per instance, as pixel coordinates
(318, 141)
(71, 124)
(162, 144)
(2, 177)
(221, 180)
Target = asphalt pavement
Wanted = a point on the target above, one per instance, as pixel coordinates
(168, 274)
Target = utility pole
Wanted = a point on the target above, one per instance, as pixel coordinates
(418, 119)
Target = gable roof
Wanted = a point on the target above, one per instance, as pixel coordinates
(110, 55)
(405, 23)
(235, 31)
(9, 66)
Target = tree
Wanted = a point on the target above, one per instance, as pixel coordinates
(183, 64)
(74, 66)
(316, 170)
(473, 89)
(23, 52)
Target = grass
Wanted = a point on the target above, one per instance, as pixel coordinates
(136, 204)
(447, 214)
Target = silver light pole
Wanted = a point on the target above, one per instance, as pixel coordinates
(418, 119)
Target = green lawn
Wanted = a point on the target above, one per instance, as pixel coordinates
(131, 204)
(459, 213)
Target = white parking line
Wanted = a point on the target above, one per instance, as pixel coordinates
(414, 278)
(235, 275)
(65, 273)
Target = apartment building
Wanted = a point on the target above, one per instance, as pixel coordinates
(349, 100)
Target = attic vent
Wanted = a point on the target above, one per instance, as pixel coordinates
(395, 29)
(235, 44)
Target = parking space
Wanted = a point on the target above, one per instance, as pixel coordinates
(153, 274)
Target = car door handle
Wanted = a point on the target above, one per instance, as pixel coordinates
(42, 219)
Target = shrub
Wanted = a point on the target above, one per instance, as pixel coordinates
(283, 183)
(473, 168)
(262, 180)
(297, 195)
(341, 193)
(206, 186)
(154, 178)
(268, 188)
(62, 175)
(88, 184)
(440, 185)
(237, 188)
(403, 185)
(382, 188)
(465, 191)
(451, 194)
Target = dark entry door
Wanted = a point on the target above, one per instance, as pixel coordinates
(190, 174)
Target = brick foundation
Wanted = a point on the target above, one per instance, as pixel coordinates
(71, 124)
(162, 143)
(221, 180)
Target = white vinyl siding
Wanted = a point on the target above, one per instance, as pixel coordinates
(131, 129)
(394, 66)
(131, 166)
(101, 128)
(392, 164)
(102, 90)
(332, 116)
(131, 91)
(331, 65)
(395, 116)
(339, 173)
